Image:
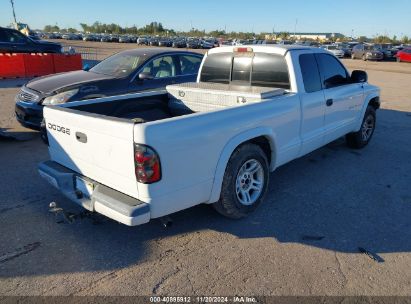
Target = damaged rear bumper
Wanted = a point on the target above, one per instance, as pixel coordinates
(101, 199)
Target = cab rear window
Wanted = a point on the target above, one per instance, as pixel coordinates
(262, 70)
(217, 68)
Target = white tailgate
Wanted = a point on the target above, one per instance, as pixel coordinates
(107, 156)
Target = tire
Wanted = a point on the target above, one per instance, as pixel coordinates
(360, 139)
(364, 58)
(233, 202)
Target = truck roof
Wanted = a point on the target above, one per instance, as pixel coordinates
(273, 49)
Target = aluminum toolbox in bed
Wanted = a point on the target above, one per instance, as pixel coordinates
(205, 97)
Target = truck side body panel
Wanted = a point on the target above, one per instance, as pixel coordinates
(190, 151)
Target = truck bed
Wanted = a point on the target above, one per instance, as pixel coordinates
(178, 100)
(137, 107)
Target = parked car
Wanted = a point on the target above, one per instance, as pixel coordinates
(204, 44)
(105, 38)
(386, 49)
(165, 43)
(126, 72)
(114, 38)
(366, 52)
(404, 55)
(124, 39)
(179, 43)
(333, 49)
(91, 38)
(142, 41)
(346, 48)
(193, 44)
(214, 141)
(13, 41)
(153, 42)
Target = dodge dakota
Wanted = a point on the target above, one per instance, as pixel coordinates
(141, 156)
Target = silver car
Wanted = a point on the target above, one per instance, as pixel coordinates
(335, 50)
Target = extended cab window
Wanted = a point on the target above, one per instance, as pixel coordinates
(332, 72)
(259, 69)
(310, 73)
(217, 68)
(270, 70)
(242, 70)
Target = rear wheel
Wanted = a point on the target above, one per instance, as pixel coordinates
(245, 182)
(360, 139)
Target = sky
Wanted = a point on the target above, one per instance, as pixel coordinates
(364, 17)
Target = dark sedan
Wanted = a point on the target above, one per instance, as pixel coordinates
(126, 72)
(12, 41)
(366, 52)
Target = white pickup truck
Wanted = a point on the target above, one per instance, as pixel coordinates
(137, 157)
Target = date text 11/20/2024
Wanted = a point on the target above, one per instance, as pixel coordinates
(205, 299)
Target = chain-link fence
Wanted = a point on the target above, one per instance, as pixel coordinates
(88, 54)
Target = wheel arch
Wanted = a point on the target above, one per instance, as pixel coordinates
(263, 137)
(371, 99)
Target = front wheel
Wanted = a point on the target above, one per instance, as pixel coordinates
(360, 139)
(245, 182)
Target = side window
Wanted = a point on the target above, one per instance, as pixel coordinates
(16, 37)
(270, 71)
(161, 67)
(332, 72)
(3, 36)
(189, 64)
(310, 73)
(217, 68)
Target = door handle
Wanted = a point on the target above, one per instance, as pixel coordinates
(329, 102)
(81, 137)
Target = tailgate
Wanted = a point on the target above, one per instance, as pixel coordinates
(98, 147)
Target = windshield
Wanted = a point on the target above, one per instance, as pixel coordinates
(119, 65)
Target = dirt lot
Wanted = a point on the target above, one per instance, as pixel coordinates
(303, 240)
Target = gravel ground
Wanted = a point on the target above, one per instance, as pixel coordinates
(304, 240)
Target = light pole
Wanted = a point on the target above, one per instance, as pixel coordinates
(295, 29)
(14, 14)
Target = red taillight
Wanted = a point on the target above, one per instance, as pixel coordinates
(147, 165)
(243, 50)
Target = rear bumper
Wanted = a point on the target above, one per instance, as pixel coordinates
(29, 115)
(106, 201)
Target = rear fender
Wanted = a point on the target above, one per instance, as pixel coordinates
(228, 151)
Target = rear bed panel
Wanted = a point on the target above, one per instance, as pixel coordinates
(95, 146)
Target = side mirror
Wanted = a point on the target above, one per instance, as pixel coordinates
(86, 67)
(358, 76)
(145, 76)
